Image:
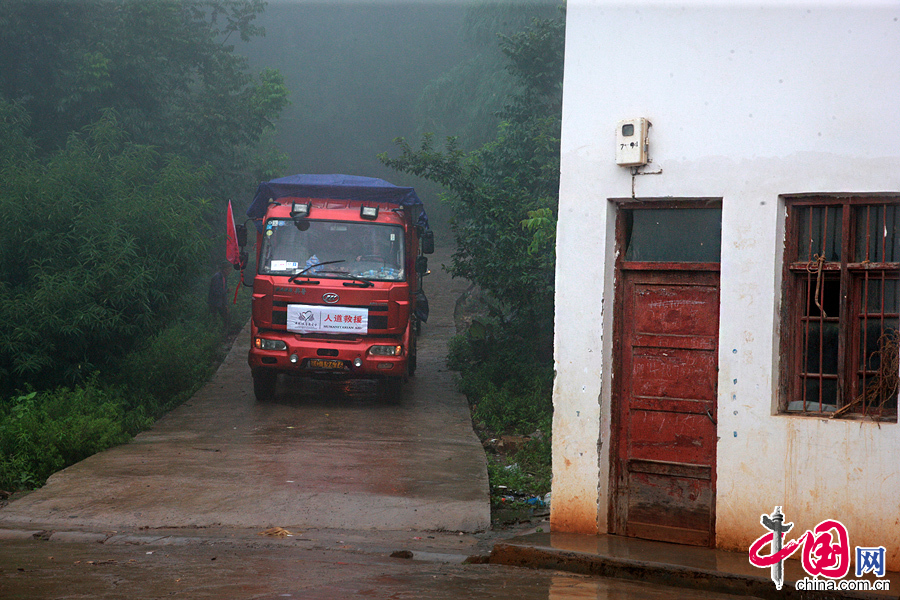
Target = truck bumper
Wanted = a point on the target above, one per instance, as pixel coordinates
(338, 359)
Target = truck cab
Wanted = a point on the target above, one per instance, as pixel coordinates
(337, 292)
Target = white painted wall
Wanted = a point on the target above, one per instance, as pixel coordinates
(748, 101)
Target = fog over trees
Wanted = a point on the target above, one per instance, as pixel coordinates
(126, 126)
(361, 74)
(124, 129)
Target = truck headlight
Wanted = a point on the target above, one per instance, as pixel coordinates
(386, 350)
(264, 344)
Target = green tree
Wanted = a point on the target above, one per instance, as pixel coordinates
(168, 68)
(506, 192)
(99, 242)
(119, 121)
(466, 101)
(505, 198)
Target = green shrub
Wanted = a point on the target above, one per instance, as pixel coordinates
(43, 432)
(510, 392)
(115, 248)
(525, 473)
(516, 407)
(509, 388)
(174, 363)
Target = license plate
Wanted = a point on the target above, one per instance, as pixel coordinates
(318, 363)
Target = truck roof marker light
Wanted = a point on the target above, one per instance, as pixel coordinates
(300, 210)
(369, 212)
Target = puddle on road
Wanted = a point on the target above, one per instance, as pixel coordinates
(489, 582)
(212, 570)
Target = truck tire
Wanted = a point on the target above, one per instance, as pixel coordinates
(413, 358)
(391, 389)
(264, 385)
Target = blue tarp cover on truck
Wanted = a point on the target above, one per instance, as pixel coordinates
(335, 187)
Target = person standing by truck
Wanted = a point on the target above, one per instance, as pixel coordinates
(218, 290)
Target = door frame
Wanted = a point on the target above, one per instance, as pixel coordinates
(615, 518)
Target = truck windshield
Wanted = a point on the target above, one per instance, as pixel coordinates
(370, 251)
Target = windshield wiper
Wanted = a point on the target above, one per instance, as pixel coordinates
(357, 280)
(293, 278)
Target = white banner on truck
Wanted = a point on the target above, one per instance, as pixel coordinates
(307, 318)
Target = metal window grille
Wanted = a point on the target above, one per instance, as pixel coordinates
(842, 328)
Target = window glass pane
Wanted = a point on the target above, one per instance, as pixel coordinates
(876, 401)
(877, 340)
(819, 232)
(864, 379)
(874, 295)
(354, 250)
(822, 348)
(828, 388)
(877, 234)
(673, 235)
(879, 380)
(825, 294)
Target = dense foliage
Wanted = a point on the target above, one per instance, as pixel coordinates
(99, 242)
(168, 69)
(41, 433)
(505, 198)
(466, 100)
(124, 127)
(499, 190)
(101, 307)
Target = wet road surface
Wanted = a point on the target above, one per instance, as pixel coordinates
(313, 565)
(177, 513)
(323, 454)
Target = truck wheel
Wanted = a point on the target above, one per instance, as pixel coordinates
(391, 389)
(264, 385)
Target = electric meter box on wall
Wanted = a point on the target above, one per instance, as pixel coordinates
(632, 142)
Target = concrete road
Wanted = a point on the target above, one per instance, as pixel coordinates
(322, 454)
(381, 501)
(311, 565)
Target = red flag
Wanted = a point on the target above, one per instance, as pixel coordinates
(232, 252)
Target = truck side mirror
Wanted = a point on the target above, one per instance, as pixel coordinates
(421, 265)
(428, 242)
(241, 232)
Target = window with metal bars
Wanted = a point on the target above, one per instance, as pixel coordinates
(841, 310)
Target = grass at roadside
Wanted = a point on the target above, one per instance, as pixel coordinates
(519, 472)
(44, 431)
(511, 402)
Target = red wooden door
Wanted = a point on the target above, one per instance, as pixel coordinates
(665, 457)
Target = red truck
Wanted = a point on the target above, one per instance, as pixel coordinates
(338, 285)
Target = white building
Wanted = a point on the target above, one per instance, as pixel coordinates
(713, 307)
